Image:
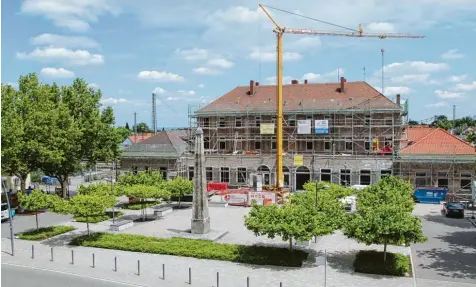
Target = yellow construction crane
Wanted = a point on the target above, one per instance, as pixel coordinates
(280, 31)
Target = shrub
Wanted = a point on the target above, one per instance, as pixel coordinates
(45, 232)
(101, 218)
(372, 262)
(202, 249)
(139, 206)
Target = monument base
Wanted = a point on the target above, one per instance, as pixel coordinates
(212, 235)
(201, 226)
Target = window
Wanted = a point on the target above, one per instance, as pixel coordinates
(292, 121)
(348, 144)
(420, 179)
(365, 177)
(221, 122)
(465, 181)
(257, 143)
(309, 144)
(242, 175)
(367, 120)
(238, 123)
(257, 121)
(326, 175)
(163, 171)
(273, 143)
(225, 174)
(345, 177)
(191, 172)
(221, 144)
(327, 145)
(209, 173)
(206, 122)
(348, 120)
(327, 117)
(388, 121)
(385, 172)
(308, 117)
(443, 179)
(206, 143)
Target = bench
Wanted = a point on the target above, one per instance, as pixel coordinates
(162, 211)
(121, 224)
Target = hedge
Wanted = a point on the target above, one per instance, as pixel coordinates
(101, 218)
(45, 232)
(139, 206)
(202, 249)
(372, 262)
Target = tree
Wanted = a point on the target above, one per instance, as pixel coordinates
(471, 137)
(151, 178)
(384, 215)
(81, 132)
(144, 192)
(26, 127)
(338, 191)
(179, 187)
(142, 128)
(123, 132)
(89, 206)
(413, 123)
(100, 189)
(35, 201)
(127, 126)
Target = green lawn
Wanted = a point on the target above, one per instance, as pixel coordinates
(202, 249)
(139, 206)
(45, 232)
(101, 218)
(372, 262)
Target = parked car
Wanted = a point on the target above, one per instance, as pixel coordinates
(453, 209)
(5, 214)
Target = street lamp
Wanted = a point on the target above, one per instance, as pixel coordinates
(317, 189)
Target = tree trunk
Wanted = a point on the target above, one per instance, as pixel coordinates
(87, 224)
(23, 182)
(143, 209)
(385, 251)
(291, 244)
(64, 186)
(36, 215)
(179, 200)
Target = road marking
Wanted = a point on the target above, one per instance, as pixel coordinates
(72, 274)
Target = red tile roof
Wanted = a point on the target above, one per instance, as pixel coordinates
(140, 137)
(301, 97)
(435, 141)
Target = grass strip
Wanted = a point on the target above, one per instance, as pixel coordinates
(45, 232)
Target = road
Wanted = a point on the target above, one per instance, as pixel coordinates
(25, 222)
(450, 252)
(18, 276)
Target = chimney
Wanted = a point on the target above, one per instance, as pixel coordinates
(342, 86)
(257, 84)
(398, 99)
(252, 83)
(294, 82)
(305, 81)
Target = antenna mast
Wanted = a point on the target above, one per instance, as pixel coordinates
(154, 114)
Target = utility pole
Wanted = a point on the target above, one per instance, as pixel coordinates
(382, 50)
(454, 119)
(135, 127)
(364, 74)
(154, 113)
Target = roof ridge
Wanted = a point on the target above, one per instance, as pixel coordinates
(380, 93)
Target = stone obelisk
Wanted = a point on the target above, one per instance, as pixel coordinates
(200, 216)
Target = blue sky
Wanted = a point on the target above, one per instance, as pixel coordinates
(191, 52)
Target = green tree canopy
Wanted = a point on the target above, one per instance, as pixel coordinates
(151, 178)
(35, 201)
(127, 126)
(123, 132)
(179, 187)
(89, 206)
(142, 128)
(100, 189)
(144, 192)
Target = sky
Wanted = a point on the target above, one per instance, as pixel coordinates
(190, 52)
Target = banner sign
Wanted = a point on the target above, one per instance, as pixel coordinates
(235, 198)
(267, 129)
(298, 160)
(304, 126)
(262, 198)
(321, 127)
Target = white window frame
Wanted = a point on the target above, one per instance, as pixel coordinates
(257, 121)
(229, 174)
(238, 120)
(258, 139)
(347, 119)
(349, 140)
(238, 174)
(273, 139)
(220, 120)
(388, 119)
(312, 142)
(207, 169)
(321, 173)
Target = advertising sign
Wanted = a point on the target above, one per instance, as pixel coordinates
(262, 198)
(235, 198)
(321, 127)
(298, 160)
(304, 126)
(267, 129)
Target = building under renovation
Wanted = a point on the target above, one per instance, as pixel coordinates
(346, 133)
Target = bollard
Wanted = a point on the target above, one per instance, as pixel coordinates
(163, 271)
(33, 252)
(218, 279)
(247, 281)
(138, 267)
(280, 284)
(52, 254)
(115, 263)
(94, 265)
(72, 257)
(190, 275)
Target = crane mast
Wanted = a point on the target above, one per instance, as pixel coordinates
(280, 31)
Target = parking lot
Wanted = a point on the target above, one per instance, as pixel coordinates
(450, 252)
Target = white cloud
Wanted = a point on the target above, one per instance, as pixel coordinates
(173, 98)
(336, 72)
(220, 63)
(94, 86)
(193, 54)
(457, 78)
(114, 101)
(466, 87)
(161, 76)
(270, 56)
(448, 95)
(304, 44)
(452, 54)
(411, 78)
(58, 73)
(201, 86)
(272, 80)
(71, 14)
(437, 105)
(381, 27)
(397, 90)
(63, 55)
(413, 67)
(158, 91)
(237, 14)
(205, 71)
(311, 77)
(186, 93)
(64, 41)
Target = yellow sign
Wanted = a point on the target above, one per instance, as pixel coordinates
(267, 129)
(298, 160)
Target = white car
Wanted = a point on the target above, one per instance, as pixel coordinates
(5, 214)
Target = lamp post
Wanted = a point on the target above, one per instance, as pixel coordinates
(112, 190)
